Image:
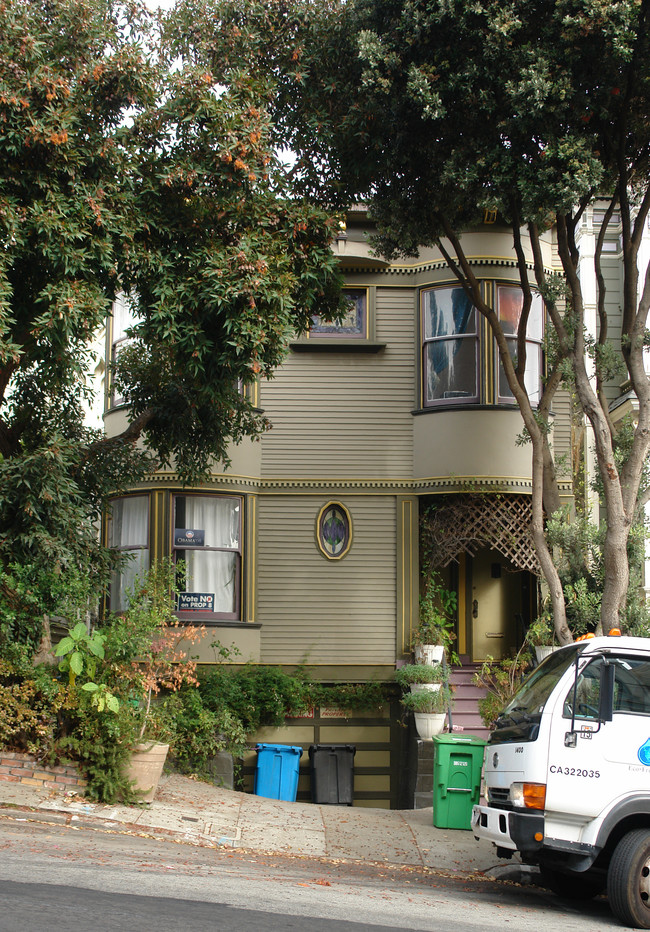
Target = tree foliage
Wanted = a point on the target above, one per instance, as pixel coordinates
(434, 112)
(128, 167)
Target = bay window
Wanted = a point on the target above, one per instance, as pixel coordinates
(459, 352)
(510, 302)
(450, 346)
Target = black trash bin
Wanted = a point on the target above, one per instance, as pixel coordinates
(332, 774)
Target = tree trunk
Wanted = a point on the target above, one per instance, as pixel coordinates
(544, 555)
(45, 653)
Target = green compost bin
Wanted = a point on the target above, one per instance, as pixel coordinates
(457, 766)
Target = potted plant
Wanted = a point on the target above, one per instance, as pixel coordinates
(145, 657)
(501, 680)
(429, 710)
(435, 632)
(540, 636)
(420, 677)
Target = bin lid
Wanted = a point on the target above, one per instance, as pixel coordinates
(459, 739)
(287, 748)
(333, 747)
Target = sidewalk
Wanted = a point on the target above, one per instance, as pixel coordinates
(200, 813)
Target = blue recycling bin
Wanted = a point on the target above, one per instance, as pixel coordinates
(276, 774)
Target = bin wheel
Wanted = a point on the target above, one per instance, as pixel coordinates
(572, 885)
(628, 879)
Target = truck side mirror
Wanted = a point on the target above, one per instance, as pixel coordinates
(606, 698)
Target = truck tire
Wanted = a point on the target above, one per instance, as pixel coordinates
(572, 885)
(628, 879)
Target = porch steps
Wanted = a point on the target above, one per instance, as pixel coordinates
(466, 694)
(465, 720)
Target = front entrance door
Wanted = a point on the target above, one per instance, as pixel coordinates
(497, 593)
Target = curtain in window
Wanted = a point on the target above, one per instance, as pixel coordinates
(128, 531)
(450, 363)
(218, 517)
(129, 524)
(212, 570)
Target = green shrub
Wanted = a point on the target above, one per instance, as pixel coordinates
(427, 700)
(30, 704)
(501, 679)
(199, 733)
(420, 673)
(257, 696)
(351, 697)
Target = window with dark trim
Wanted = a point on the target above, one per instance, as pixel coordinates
(122, 318)
(353, 326)
(450, 346)
(510, 302)
(207, 544)
(456, 342)
(128, 532)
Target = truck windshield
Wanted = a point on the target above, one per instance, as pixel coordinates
(520, 719)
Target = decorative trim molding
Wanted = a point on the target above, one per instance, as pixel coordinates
(222, 482)
(434, 265)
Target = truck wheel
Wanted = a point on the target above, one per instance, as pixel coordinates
(628, 879)
(572, 885)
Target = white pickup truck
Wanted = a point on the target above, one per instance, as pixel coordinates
(567, 774)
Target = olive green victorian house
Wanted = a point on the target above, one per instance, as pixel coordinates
(306, 550)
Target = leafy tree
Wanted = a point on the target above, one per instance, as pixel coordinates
(435, 112)
(128, 168)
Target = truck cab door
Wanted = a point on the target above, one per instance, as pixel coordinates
(608, 759)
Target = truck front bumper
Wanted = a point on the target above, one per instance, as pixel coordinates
(514, 831)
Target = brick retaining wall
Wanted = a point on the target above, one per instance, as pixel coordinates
(23, 768)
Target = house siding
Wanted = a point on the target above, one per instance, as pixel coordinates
(346, 415)
(321, 611)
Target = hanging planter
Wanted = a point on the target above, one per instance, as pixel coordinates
(429, 653)
(421, 674)
(429, 724)
(429, 709)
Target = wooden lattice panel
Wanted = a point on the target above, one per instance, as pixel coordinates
(468, 523)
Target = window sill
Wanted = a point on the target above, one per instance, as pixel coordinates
(463, 406)
(337, 346)
(196, 618)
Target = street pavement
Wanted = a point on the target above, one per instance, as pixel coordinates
(201, 813)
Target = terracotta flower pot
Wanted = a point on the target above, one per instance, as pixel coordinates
(145, 767)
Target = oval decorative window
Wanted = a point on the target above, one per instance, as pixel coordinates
(334, 530)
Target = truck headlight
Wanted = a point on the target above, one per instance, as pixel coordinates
(528, 795)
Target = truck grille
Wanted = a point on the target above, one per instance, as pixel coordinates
(499, 798)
